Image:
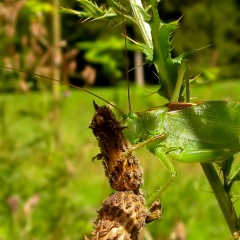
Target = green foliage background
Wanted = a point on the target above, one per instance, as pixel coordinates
(50, 188)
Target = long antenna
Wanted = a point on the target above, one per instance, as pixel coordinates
(69, 84)
(126, 61)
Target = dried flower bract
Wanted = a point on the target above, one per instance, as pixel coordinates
(124, 172)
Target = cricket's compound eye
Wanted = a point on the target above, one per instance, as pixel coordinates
(135, 130)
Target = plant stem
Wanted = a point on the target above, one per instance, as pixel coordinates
(222, 198)
(143, 26)
(177, 89)
(156, 35)
(56, 26)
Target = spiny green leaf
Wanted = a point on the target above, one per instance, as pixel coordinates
(148, 51)
(167, 68)
(91, 11)
(115, 5)
(74, 12)
(183, 56)
(91, 8)
(147, 17)
(186, 54)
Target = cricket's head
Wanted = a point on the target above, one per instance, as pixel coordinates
(143, 125)
(135, 130)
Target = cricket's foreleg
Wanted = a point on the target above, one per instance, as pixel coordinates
(153, 140)
(167, 163)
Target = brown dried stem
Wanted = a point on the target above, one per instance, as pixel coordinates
(123, 213)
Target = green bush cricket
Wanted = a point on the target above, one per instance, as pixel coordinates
(186, 132)
(204, 132)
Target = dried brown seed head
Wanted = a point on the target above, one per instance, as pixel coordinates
(121, 216)
(123, 172)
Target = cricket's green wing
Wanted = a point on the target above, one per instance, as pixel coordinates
(205, 131)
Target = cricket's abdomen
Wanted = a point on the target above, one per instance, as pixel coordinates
(206, 132)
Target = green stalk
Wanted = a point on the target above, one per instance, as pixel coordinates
(222, 198)
(56, 26)
(158, 58)
(156, 36)
(143, 26)
(177, 89)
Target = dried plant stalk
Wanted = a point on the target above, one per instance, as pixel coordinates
(124, 172)
(124, 213)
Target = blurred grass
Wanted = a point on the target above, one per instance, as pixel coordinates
(51, 189)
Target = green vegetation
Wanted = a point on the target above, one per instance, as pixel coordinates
(50, 188)
(27, 39)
